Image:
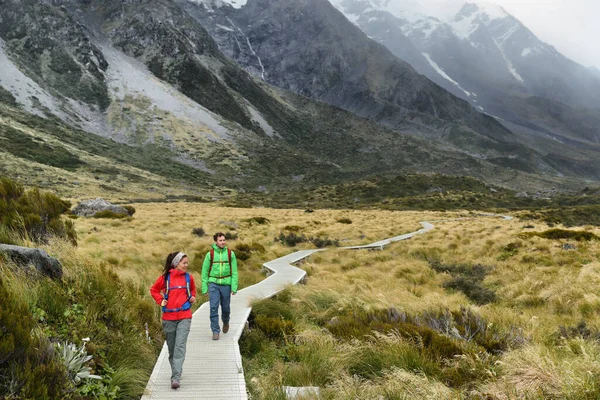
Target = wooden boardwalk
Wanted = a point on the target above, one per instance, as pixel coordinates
(213, 369)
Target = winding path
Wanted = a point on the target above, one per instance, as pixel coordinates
(213, 369)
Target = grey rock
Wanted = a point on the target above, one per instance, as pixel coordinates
(90, 207)
(569, 246)
(25, 256)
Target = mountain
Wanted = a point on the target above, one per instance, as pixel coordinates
(172, 97)
(310, 48)
(483, 54)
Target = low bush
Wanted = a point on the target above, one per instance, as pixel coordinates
(344, 220)
(198, 232)
(557, 234)
(274, 328)
(29, 367)
(320, 242)
(108, 214)
(291, 239)
(32, 214)
(130, 210)
(231, 235)
(292, 228)
(467, 279)
(257, 220)
(244, 251)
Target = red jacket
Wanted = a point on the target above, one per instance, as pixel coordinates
(177, 297)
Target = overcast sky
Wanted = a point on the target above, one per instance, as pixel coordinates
(572, 26)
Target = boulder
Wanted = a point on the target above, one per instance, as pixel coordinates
(25, 256)
(90, 207)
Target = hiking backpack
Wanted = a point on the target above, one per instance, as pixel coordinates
(212, 260)
(187, 305)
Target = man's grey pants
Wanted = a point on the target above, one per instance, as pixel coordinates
(176, 336)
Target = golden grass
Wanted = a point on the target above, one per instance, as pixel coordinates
(540, 287)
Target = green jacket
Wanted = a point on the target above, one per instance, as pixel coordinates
(220, 267)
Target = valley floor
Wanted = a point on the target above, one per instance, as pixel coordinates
(472, 309)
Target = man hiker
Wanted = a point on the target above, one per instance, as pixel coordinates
(220, 280)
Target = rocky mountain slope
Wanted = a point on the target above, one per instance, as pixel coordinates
(483, 54)
(164, 94)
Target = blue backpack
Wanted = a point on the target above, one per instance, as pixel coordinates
(187, 305)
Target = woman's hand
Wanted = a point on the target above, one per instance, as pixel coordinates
(193, 299)
(163, 303)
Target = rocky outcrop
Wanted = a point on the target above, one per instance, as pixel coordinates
(90, 207)
(25, 256)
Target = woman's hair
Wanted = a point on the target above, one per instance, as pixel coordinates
(218, 235)
(168, 266)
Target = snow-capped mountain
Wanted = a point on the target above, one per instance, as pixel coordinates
(477, 51)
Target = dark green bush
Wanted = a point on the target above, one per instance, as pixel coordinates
(291, 239)
(273, 308)
(467, 279)
(244, 251)
(562, 234)
(231, 235)
(344, 220)
(28, 366)
(324, 242)
(130, 210)
(198, 232)
(257, 220)
(252, 342)
(274, 328)
(109, 215)
(32, 214)
(292, 228)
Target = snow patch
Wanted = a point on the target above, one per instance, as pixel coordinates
(526, 52)
(219, 3)
(226, 28)
(443, 74)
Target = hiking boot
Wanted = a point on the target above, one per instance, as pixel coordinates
(226, 327)
(215, 336)
(174, 384)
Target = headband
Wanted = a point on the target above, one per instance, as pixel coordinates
(177, 259)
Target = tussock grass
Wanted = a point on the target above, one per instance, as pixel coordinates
(528, 343)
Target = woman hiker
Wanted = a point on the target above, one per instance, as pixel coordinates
(220, 281)
(175, 292)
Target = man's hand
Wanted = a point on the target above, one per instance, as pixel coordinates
(233, 293)
(163, 303)
(193, 299)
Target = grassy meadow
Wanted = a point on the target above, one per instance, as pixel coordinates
(479, 307)
(472, 309)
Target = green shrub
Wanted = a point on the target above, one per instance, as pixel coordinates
(257, 220)
(556, 234)
(109, 214)
(28, 365)
(320, 242)
(252, 342)
(274, 328)
(32, 214)
(130, 210)
(467, 279)
(291, 239)
(344, 220)
(231, 235)
(243, 251)
(273, 308)
(198, 232)
(292, 228)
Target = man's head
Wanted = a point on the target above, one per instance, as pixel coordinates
(219, 239)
